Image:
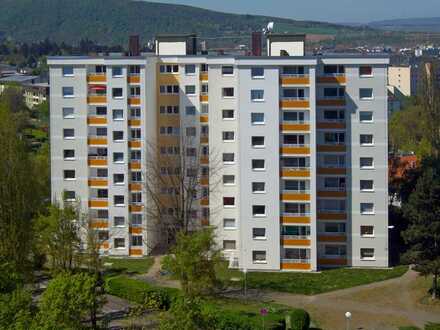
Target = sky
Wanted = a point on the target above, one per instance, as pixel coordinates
(344, 11)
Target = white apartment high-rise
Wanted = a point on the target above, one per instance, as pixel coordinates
(302, 140)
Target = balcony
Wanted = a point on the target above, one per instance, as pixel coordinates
(331, 124)
(135, 186)
(98, 202)
(135, 230)
(135, 252)
(332, 261)
(294, 103)
(289, 125)
(204, 160)
(204, 202)
(204, 181)
(331, 102)
(134, 100)
(134, 165)
(332, 192)
(285, 220)
(204, 139)
(97, 120)
(204, 118)
(332, 147)
(332, 214)
(204, 98)
(97, 140)
(97, 99)
(295, 195)
(134, 79)
(134, 122)
(332, 237)
(97, 182)
(97, 77)
(135, 207)
(134, 144)
(295, 264)
(99, 224)
(295, 240)
(204, 76)
(332, 169)
(294, 79)
(296, 172)
(295, 149)
(335, 78)
(97, 160)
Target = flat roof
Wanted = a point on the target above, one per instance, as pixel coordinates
(18, 78)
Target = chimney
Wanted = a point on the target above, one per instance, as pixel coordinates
(133, 46)
(256, 43)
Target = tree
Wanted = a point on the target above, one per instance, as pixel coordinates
(185, 314)
(16, 310)
(423, 232)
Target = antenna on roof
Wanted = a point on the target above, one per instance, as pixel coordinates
(269, 28)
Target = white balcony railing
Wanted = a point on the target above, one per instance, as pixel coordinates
(287, 191)
(295, 145)
(342, 188)
(295, 261)
(295, 236)
(296, 214)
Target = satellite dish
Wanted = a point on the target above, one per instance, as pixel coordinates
(270, 26)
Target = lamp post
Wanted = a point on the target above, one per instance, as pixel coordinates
(347, 320)
(245, 282)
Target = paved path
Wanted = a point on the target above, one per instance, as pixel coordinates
(153, 275)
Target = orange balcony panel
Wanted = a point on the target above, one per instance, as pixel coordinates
(203, 98)
(204, 119)
(96, 78)
(332, 80)
(324, 170)
(98, 203)
(135, 230)
(331, 148)
(205, 222)
(295, 219)
(134, 101)
(98, 183)
(300, 242)
(99, 224)
(204, 160)
(330, 125)
(134, 122)
(99, 99)
(135, 208)
(134, 144)
(331, 216)
(337, 194)
(96, 120)
(135, 187)
(167, 79)
(295, 266)
(294, 104)
(97, 141)
(204, 140)
(134, 79)
(295, 174)
(332, 262)
(331, 103)
(204, 76)
(294, 127)
(97, 162)
(332, 238)
(134, 166)
(204, 181)
(295, 197)
(136, 252)
(105, 245)
(295, 80)
(204, 202)
(295, 150)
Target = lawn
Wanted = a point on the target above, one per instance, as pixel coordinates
(128, 265)
(315, 283)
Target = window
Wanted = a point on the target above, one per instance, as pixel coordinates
(366, 139)
(190, 69)
(334, 227)
(118, 114)
(117, 71)
(228, 136)
(259, 257)
(366, 93)
(118, 178)
(367, 254)
(101, 111)
(169, 68)
(367, 185)
(118, 200)
(366, 116)
(135, 69)
(227, 70)
(257, 118)
(228, 179)
(118, 157)
(295, 230)
(190, 89)
(334, 138)
(258, 187)
(334, 115)
(228, 157)
(102, 235)
(118, 135)
(69, 154)
(367, 208)
(258, 141)
(68, 113)
(258, 164)
(136, 219)
(259, 233)
(135, 91)
(119, 221)
(191, 131)
(366, 162)
(229, 245)
(335, 250)
(117, 93)
(229, 223)
(334, 92)
(227, 114)
(101, 172)
(296, 162)
(294, 93)
(100, 69)
(69, 133)
(135, 133)
(294, 185)
(293, 70)
(119, 243)
(228, 92)
(228, 201)
(136, 197)
(135, 112)
(68, 92)
(294, 139)
(257, 72)
(293, 116)
(296, 208)
(69, 195)
(259, 210)
(136, 176)
(204, 67)
(101, 131)
(69, 174)
(257, 95)
(204, 89)
(68, 71)
(190, 110)
(136, 240)
(365, 71)
(135, 155)
(102, 193)
(367, 230)
(204, 108)
(332, 70)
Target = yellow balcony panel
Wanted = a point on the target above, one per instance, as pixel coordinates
(134, 79)
(294, 104)
(295, 150)
(204, 160)
(134, 166)
(332, 238)
(332, 80)
(295, 127)
(331, 216)
(204, 98)
(204, 181)
(299, 219)
(204, 140)
(164, 120)
(204, 76)
(168, 99)
(105, 245)
(97, 141)
(135, 187)
(97, 99)
(330, 125)
(332, 261)
(332, 171)
(134, 144)
(298, 242)
(97, 162)
(135, 208)
(98, 224)
(134, 101)
(134, 122)
(96, 120)
(331, 148)
(98, 203)
(205, 222)
(98, 183)
(305, 80)
(331, 103)
(135, 230)
(337, 194)
(204, 202)
(204, 119)
(167, 79)
(295, 266)
(295, 197)
(96, 78)
(295, 173)
(135, 252)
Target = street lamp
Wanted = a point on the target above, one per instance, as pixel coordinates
(347, 320)
(245, 282)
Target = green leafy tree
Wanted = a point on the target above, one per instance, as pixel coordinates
(185, 314)
(423, 232)
(16, 310)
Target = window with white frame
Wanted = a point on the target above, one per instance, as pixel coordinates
(68, 92)
(335, 250)
(169, 68)
(334, 227)
(118, 136)
(367, 208)
(229, 245)
(366, 116)
(69, 175)
(118, 114)
(119, 221)
(259, 210)
(257, 95)
(367, 230)
(190, 110)
(228, 157)
(366, 139)
(117, 71)
(119, 243)
(136, 220)
(136, 240)
(259, 257)
(367, 254)
(117, 93)
(228, 179)
(257, 72)
(258, 187)
(258, 164)
(228, 114)
(228, 136)
(69, 195)
(191, 131)
(257, 118)
(69, 154)
(257, 141)
(228, 201)
(190, 69)
(118, 200)
(259, 233)
(366, 162)
(366, 93)
(229, 223)
(367, 185)
(68, 71)
(190, 89)
(118, 157)
(366, 71)
(68, 113)
(228, 92)
(227, 70)
(294, 116)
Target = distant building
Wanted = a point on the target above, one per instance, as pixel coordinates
(35, 92)
(399, 77)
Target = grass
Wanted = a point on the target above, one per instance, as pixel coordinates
(129, 265)
(315, 283)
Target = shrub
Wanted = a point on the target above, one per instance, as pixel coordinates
(157, 299)
(231, 321)
(432, 326)
(299, 319)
